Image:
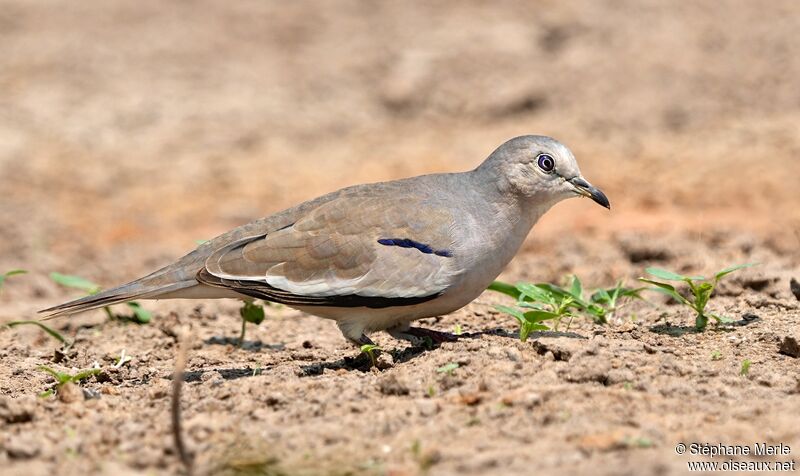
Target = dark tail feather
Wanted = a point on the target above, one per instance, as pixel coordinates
(121, 294)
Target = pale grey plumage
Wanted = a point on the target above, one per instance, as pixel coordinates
(377, 256)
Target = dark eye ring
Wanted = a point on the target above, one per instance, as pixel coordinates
(546, 162)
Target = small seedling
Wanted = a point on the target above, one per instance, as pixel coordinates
(529, 321)
(745, 370)
(457, 330)
(140, 314)
(448, 369)
(605, 302)
(431, 391)
(123, 359)
(8, 274)
(371, 350)
(699, 287)
(63, 378)
(551, 302)
(49, 330)
(250, 312)
(716, 355)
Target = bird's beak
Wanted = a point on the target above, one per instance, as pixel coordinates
(585, 189)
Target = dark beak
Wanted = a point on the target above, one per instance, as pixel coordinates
(585, 189)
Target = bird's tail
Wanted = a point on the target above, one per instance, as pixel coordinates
(118, 295)
(165, 282)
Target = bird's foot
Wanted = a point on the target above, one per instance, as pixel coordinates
(360, 341)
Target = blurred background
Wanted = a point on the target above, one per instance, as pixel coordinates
(131, 129)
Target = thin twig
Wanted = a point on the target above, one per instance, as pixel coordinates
(175, 407)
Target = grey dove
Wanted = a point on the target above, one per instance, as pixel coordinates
(377, 256)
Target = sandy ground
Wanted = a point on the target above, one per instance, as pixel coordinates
(129, 130)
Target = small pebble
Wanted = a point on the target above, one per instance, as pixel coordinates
(790, 347)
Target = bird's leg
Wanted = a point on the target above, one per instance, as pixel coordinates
(354, 334)
(418, 336)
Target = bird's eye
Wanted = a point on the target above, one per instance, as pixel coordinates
(546, 162)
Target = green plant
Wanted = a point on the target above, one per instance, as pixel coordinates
(371, 350)
(122, 360)
(716, 355)
(140, 314)
(550, 302)
(49, 330)
(458, 330)
(745, 370)
(63, 378)
(700, 290)
(448, 369)
(529, 321)
(8, 274)
(252, 313)
(431, 392)
(605, 302)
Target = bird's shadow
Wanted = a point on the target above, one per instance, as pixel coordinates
(678, 331)
(248, 345)
(360, 362)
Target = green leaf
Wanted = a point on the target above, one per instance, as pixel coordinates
(576, 290)
(53, 333)
(75, 282)
(731, 269)
(670, 276)
(601, 296)
(252, 312)
(745, 367)
(538, 292)
(8, 274)
(531, 305)
(512, 311)
(597, 311)
(505, 288)
(633, 293)
(563, 298)
(552, 290)
(667, 289)
(141, 314)
(61, 377)
(448, 368)
(369, 348)
(722, 319)
(702, 294)
(14, 272)
(539, 316)
(84, 374)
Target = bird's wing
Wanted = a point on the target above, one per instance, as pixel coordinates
(350, 251)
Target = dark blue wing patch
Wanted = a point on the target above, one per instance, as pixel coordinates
(407, 243)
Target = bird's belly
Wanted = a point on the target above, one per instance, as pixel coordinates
(454, 298)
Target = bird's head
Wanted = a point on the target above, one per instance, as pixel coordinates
(540, 169)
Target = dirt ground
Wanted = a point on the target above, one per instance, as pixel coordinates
(129, 130)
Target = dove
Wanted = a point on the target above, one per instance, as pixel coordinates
(376, 257)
